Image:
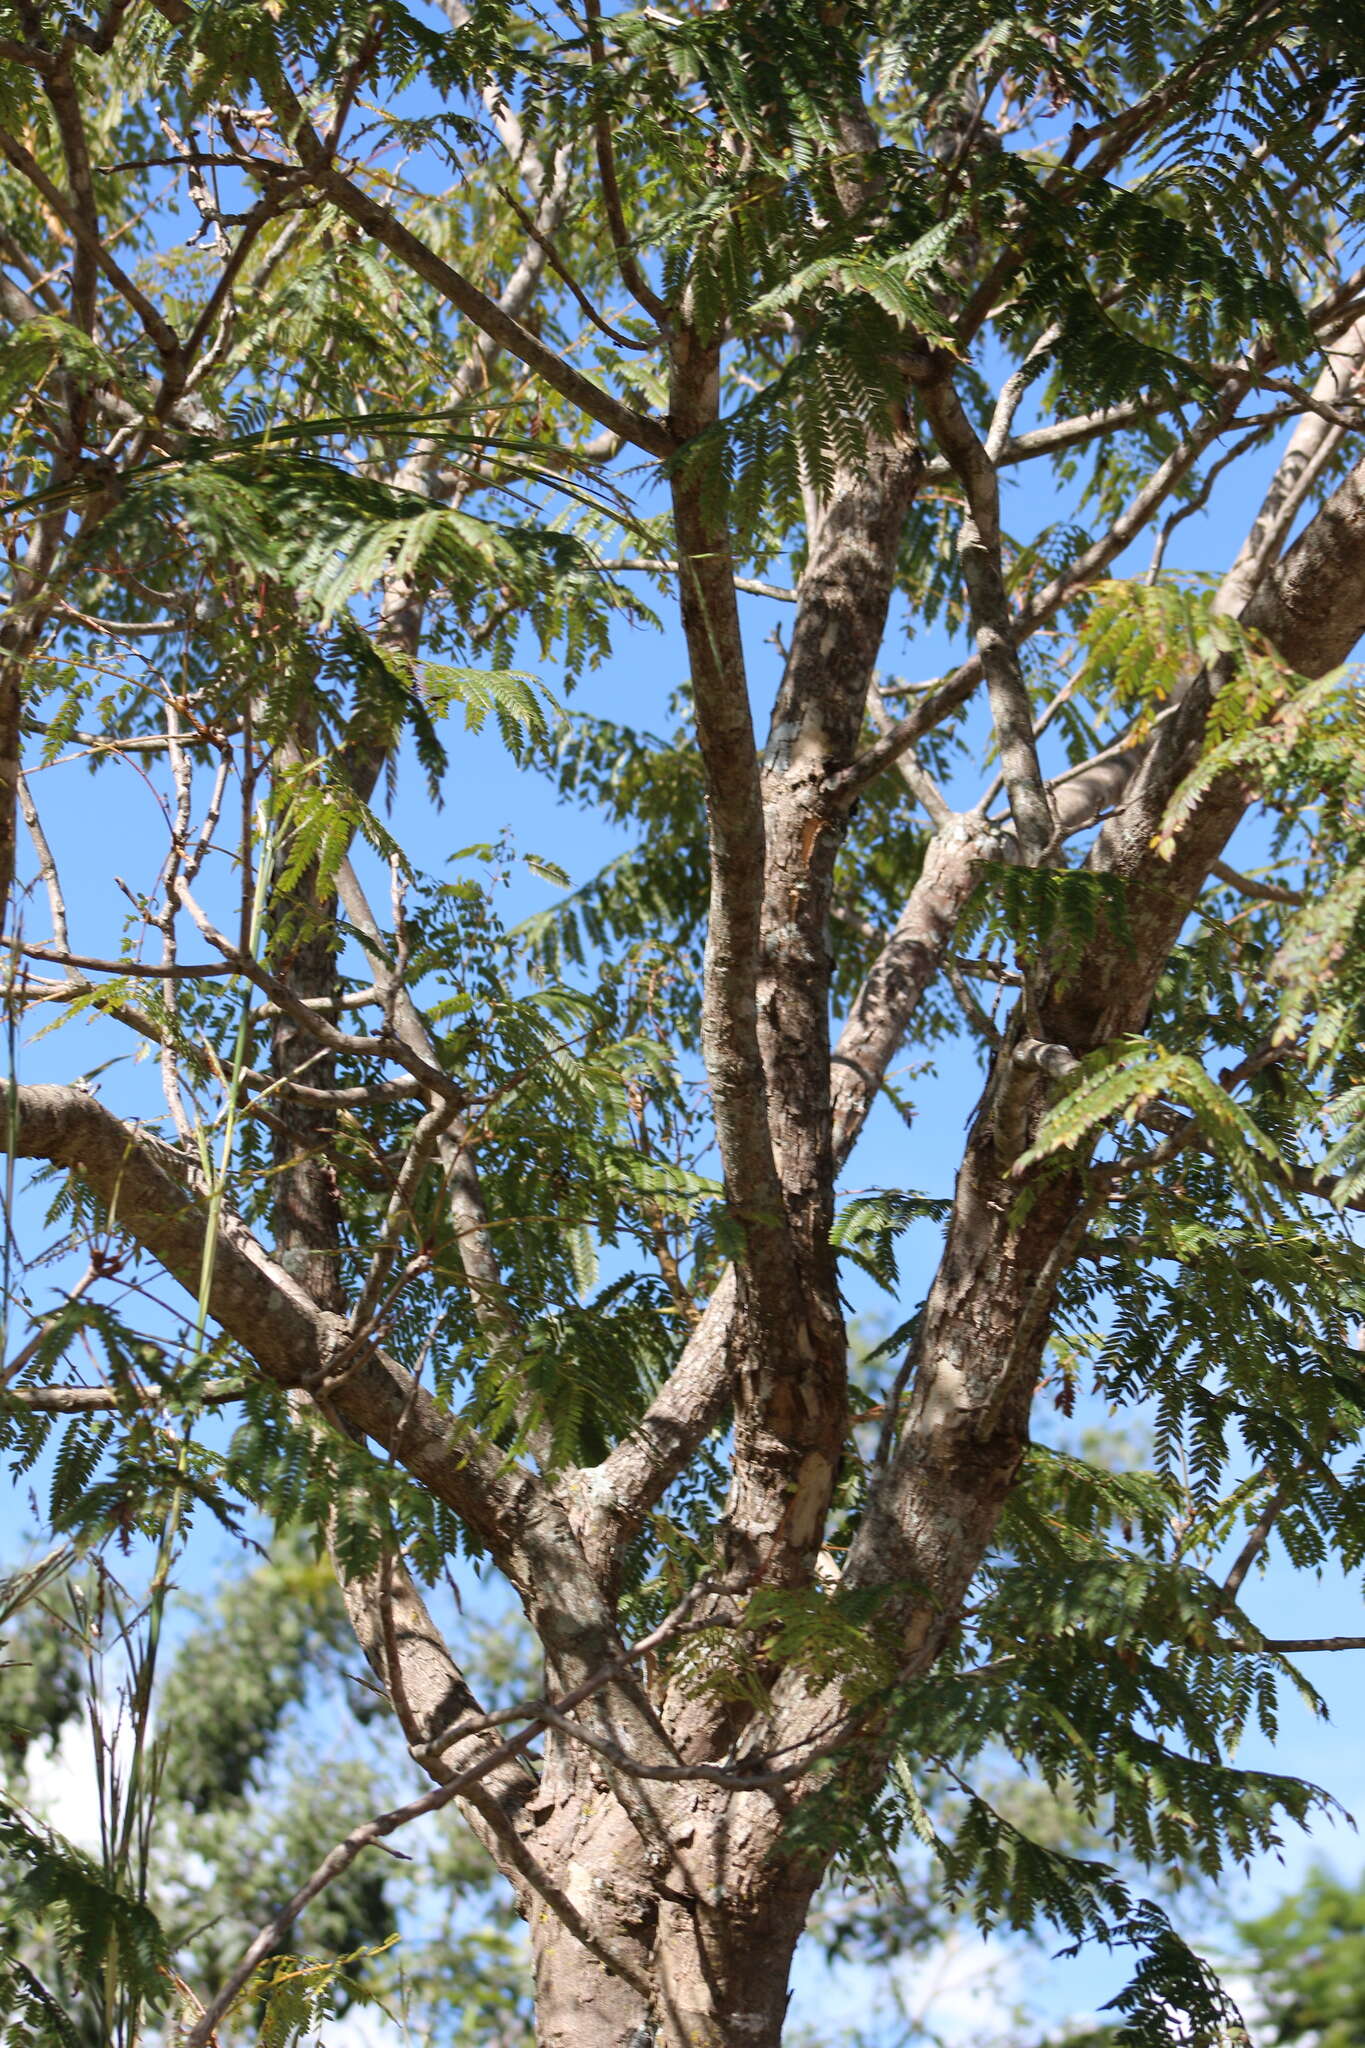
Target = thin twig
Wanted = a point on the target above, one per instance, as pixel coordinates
(47, 868)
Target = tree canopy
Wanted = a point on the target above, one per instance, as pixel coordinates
(368, 374)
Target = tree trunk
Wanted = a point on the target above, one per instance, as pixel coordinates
(579, 2002)
(712, 1939)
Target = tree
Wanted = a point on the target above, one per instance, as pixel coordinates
(1305, 1958)
(211, 1782)
(521, 1252)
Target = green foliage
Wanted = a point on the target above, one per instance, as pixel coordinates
(47, 345)
(1307, 1961)
(102, 1934)
(242, 1811)
(298, 1992)
(1051, 913)
(867, 1229)
(1125, 1081)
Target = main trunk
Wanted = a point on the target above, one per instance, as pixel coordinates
(709, 1942)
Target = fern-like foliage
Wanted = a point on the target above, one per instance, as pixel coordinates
(104, 1935)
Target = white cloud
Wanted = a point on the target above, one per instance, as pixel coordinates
(364, 2030)
(966, 1991)
(63, 1788)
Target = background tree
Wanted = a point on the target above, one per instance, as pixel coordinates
(1304, 1959)
(257, 1768)
(521, 1252)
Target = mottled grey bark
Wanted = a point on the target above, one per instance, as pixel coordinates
(988, 1314)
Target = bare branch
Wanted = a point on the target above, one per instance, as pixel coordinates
(609, 1501)
(47, 868)
(881, 1011)
(1039, 610)
(1298, 1646)
(1258, 890)
(109, 1400)
(917, 780)
(1312, 445)
(779, 592)
(501, 327)
(993, 627)
(149, 1192)
(131, 970)
(303, 1013)
(464, 1197)
(567, 278)
(1012, 394)
(1256, 1542)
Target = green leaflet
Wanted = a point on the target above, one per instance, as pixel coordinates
(888, 281)
(30, 354)
(518, 702)
(97, 1925)
(298, 1992)
(1122, 1082)
(1051, 913)
(867, 1229)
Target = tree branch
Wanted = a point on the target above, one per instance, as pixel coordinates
(978, 547)
(501, 327)
(1256, 1542)
(611, 1499)
(159, 331)
(729, 1028)
(1259, 891)
(107, 1400)
(881, 1011)
(1038, 611)
(1292, 1646)
(622, 242)
(343, 1855)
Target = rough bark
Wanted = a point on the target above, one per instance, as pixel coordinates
(783, 1310)
(932, 1516)
(791, 1405)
